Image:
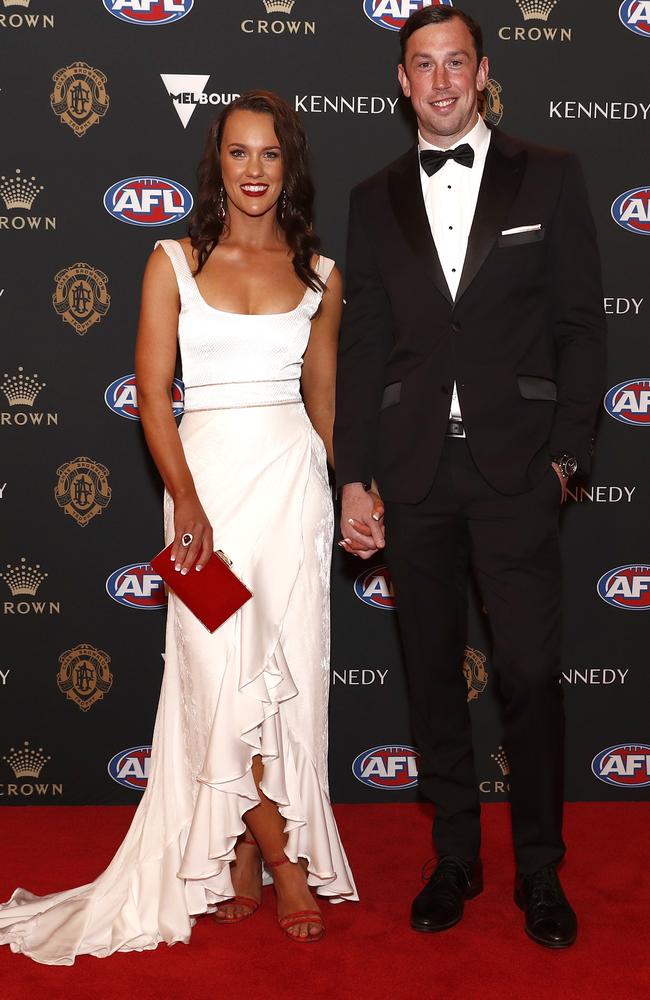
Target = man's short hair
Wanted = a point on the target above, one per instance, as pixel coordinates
(439, 15)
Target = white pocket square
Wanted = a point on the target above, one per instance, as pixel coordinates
(520, 229)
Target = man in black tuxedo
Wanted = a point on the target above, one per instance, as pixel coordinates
(470, 372)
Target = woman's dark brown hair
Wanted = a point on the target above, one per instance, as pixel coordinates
(294, 213)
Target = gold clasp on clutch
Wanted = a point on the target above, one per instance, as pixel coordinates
(224, 558)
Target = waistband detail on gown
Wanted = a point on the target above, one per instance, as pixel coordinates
(230, 395)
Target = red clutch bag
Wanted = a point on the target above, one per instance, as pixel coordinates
(213, 595)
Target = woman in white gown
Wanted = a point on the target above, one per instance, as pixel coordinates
(238, 771)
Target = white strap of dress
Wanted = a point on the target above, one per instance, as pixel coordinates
(313, 296)
(324, 268)
(187, 286)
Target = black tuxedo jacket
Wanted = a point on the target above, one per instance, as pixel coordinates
(524, 339)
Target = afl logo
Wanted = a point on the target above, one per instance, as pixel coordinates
(629, 402)
(121, 397)
(635, 15)
(149, 12)
(130, 768)
(631, 210)
(374, 587)
(392, 14)
(391, 767)
(626, 587)
(137, 586)
(148, 201)
(626, 765)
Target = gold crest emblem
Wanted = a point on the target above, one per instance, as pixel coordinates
(79, 97)
(84, 675)
(493, 105)
(81, 296)
(475, 673)
(82, 490)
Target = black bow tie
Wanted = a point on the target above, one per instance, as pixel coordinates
(433, 159)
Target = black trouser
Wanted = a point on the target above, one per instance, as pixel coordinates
(515, 553)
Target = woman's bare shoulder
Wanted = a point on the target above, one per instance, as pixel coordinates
(185, 244)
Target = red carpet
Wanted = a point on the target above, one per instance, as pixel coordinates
(369, 952)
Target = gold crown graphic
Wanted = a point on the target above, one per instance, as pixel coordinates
(278, 6)
(23, 579)
(18, 191)
(16, 3)
(536, 10)
(21, 390)
(500, 758)
(26, 762)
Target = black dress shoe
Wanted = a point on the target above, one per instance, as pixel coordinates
(549, 918)
(441, 903)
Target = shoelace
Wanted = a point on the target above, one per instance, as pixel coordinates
(545, 888)
(447, 868)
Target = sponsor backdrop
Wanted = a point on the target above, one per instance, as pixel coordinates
(104, 105)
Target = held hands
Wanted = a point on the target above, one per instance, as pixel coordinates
(362, 520)
(362, 517)
(190, 520)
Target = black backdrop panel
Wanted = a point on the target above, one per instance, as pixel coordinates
(96, 92)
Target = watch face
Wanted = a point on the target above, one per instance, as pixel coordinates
(569, 466)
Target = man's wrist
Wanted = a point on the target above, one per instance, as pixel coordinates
(566, 464)
(359, 485)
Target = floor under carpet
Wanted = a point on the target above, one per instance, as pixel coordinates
(369, 952)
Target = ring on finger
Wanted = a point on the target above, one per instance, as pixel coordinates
(187, 539)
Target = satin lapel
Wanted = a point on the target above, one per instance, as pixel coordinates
(501, 180)
(405, 192)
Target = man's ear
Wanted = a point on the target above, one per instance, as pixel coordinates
(403, 81)
(482, 73)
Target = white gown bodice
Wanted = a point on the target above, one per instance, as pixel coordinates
(234, 359)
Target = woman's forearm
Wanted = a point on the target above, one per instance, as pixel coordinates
(164, 443)
(321, 414)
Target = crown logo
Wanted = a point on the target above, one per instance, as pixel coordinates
(279, 6)
(536, 10)
(23, 579)
(16, 3)
(26, 762)
(19, 191)
(501, 759)
(21, 390)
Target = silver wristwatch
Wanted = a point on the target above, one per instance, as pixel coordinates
(567, 464)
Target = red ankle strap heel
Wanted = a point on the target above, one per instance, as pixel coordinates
(298, 917)
(276, 864)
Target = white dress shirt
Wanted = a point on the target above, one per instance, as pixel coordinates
(450, 197)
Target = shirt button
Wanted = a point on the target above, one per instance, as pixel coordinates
(451, 227)
(453, 270)
(455, 327)
(449, 187)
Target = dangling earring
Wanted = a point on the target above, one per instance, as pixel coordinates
(283, 204)
(221, 205)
